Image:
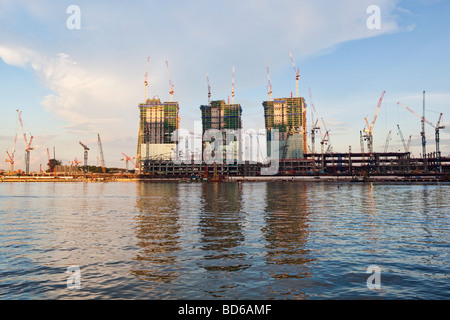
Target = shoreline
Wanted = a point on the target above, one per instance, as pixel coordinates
(435, 178)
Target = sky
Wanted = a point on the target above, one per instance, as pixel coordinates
(77, 74)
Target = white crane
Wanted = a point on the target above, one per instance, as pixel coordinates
(386, 145)
(315, 127)
(436, 127)
(297, 74)
(27, 145)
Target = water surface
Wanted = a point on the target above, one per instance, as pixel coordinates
(252, 240)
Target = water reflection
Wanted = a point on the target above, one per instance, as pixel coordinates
(220, 226)
(157, 231)
(252, 240)
(286, 234)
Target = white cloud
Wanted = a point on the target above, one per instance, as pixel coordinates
(79, 96)
(96, 74)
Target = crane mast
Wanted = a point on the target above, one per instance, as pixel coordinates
(403, 140)
(438, 150)
(49, 165)
(436, 127)
(170, 82)
(387, 142)
(268, 81)
(232, 89)
(11, 156)
(424, 142)
(100, 148)
(297, 74)
(408, 145)
(209, 89)
(369, 130)
(361, 142)
(86, 149)
(146, 79)
(27, 145)
(315, 127)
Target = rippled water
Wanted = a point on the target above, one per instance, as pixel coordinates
(252, 240)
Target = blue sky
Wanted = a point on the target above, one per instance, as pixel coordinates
(72, 84)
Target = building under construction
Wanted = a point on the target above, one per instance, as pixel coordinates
(288, 117)
(158, 121)
(285, 124)
(225, 118)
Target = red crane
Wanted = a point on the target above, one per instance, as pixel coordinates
(128, 159)
(75, 162)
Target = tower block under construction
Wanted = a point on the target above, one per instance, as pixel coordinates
(222, 116)
(158, 120)
(288, 116)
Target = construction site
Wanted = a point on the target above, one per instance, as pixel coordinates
(288, 155)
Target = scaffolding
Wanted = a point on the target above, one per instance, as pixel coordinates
(219, 115)
(157, 121)
(288, 116)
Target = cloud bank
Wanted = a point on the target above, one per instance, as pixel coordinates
(95, 75)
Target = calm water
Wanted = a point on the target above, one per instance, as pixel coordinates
(275, 240)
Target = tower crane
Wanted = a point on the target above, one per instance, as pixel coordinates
(100, 148)
(127, 159)
(386, 145)
(27, 145)
(232, 89)
(86, 149)
(170, 82)
(408, 145)
(369, 129)
(297, 74)
(403, 140)
(146, 79)
(49, 165)
(315, 128)
(361, 142)
(327, 134)
(75, 162)
(268, 80)
(11, 156)
(209, 89)
(322, 143)
(436, 127)
(423, 120)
